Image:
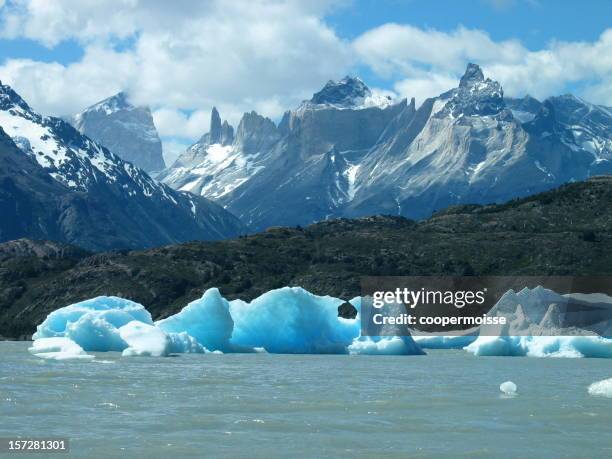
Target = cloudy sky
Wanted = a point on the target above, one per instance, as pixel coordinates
(182, 57)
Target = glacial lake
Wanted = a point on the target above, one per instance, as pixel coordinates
(445, 404)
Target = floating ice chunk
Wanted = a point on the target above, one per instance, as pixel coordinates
(95, 334)
(58, 349)
(601, 388)
(443, 341)
(115, 311)
(182, 343)
(542, 346)
(208, 320)
(508, 388)
(291, 320)
(144, 340)
(385, 345)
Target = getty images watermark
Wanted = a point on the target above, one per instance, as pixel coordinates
(492, 305)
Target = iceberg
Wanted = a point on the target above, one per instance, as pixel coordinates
(93, 324)
(508, 388)
(385, 345)
(601, 388)
(291, 320)
(144, 340)
(432, 341)
(288, 320)
(537, 326)
(208, 320)
(57, 348)
(542, 346)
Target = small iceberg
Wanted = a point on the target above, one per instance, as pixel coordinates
(58, 349)
(542, 346)
(601, 388)
(508, 388)
(538, 326)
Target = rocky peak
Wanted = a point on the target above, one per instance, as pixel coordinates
(219, 132)
(215, 127)
(349, 91)
(10, 99)
(475, 96)
(255, 132)
(473, 75)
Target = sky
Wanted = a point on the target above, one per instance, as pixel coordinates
(183, 57)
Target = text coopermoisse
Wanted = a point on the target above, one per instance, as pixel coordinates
(444, 321)
(412, 298)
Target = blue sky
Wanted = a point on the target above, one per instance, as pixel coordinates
(183, 57)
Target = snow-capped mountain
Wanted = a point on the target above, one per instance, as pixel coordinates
(301, 171)
(349, 152)
(95, 199)
(126, 130)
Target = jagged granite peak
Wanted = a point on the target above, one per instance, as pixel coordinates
(214, 132)
(256, 132)
(10, 99)
(475, 96)
(473, 75)
(66, 187)
(125, 129)
(227, 133)
(349, 91)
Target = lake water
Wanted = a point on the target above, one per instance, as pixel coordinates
(445, 404)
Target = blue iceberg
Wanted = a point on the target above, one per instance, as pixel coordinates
(207, 320)
(542, 346)
(288, 320)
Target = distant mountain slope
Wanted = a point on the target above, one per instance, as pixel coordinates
(566, 231)
(60, 185)
(126, 130)
(347, 152)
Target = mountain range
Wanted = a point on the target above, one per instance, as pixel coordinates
(56, 183)
(347, 152)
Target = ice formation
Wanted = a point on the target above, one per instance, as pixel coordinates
(144, 340)
(93, 324)
(286, 320)
(293, 320)
(385, 345)
(207, 320)
(508, 388)
(537, 327)
(433, 341)
(57, 348)
(601, 388)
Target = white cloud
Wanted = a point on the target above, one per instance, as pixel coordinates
(53, 88)
(426, 61)
(184, 56)
(428, 85)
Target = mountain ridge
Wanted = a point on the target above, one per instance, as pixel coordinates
(334, 156)
(59, 184)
